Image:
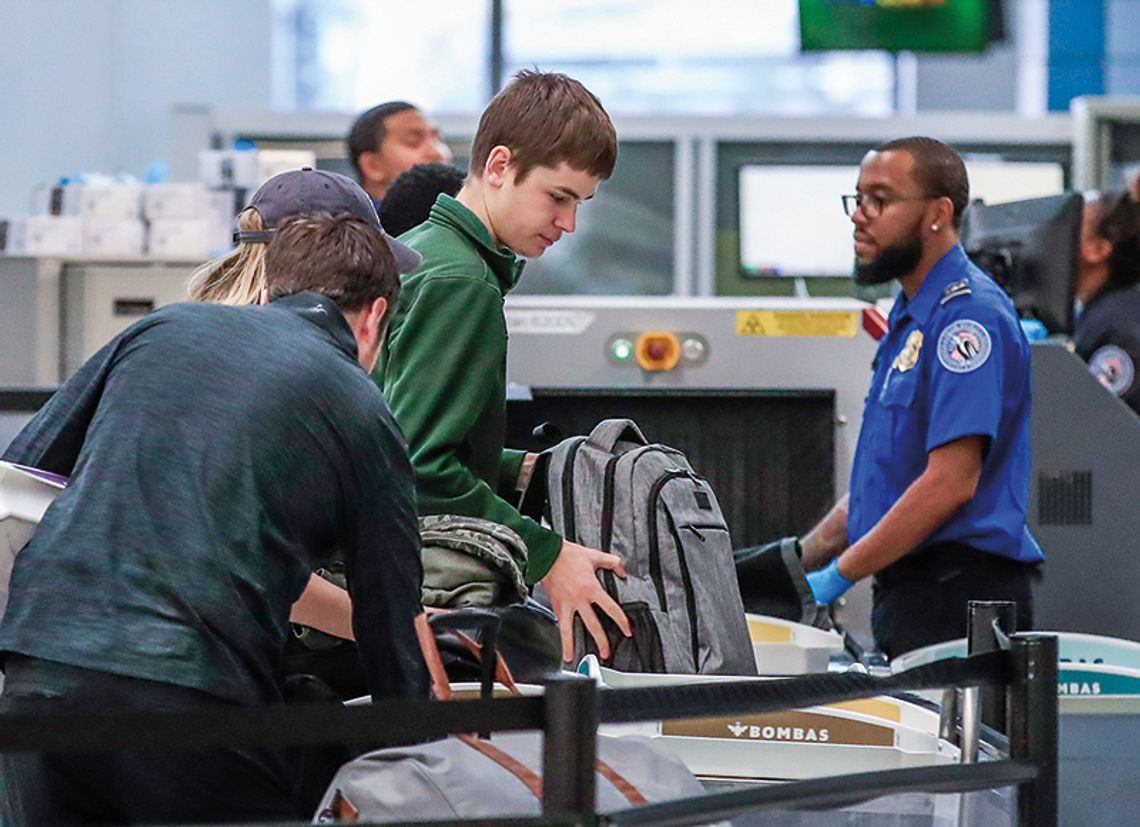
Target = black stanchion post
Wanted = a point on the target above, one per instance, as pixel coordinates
(980, 639)
(1033, 724)
(569, 750)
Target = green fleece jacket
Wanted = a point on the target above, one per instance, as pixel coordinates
(443, 370)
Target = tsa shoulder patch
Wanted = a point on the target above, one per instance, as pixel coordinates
(964, 346)
(1113, 368)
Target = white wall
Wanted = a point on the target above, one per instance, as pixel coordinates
(88, 85)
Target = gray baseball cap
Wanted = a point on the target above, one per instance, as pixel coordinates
(307, 191)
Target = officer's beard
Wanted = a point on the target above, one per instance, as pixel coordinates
(892, 263)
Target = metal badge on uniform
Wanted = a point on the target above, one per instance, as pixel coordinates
(1113, 368)
(955, 289)
(964, 346)
(908, 356)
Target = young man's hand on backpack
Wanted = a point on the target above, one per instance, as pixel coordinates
(573, 588)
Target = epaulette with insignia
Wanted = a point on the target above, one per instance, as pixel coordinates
(954, 290)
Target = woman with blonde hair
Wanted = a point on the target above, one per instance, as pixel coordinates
(238, 276)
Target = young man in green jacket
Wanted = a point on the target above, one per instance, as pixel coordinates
(542, 146)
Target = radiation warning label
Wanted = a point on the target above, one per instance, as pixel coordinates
(797, 323)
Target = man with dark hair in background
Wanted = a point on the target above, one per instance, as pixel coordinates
(1108, 272)
(216, 454)
(389, 139)
(940, 480)
(409, 200)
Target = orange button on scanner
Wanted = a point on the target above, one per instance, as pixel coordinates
(657, 350)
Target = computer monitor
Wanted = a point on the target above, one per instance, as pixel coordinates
(792, 221)
(1030, 248)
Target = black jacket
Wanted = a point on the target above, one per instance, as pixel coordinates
(1108, 338)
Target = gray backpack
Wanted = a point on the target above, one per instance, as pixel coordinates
(615, 491)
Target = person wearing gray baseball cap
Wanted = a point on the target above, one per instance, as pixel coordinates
(239, 276)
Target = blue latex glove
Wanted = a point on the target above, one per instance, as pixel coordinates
(827, 584)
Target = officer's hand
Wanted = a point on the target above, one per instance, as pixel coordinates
(827, 584)
(574, 589)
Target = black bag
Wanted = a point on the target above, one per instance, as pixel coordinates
(528, 642)
(773, 582)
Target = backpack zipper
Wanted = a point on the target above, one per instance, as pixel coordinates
(696, 527)
(654, 550)
(690, 593)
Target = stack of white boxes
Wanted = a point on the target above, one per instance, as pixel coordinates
(187, 221)
(109, 219)
(96, 220)
(182, 222)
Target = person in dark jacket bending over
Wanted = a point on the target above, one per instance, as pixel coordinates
(214, 454)
(542, 146)
(1108, 292)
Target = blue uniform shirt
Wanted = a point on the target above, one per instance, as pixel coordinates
(954, 363)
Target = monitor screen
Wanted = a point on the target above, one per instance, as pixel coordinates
(792, 221)
(1030, 247)
(898, 25)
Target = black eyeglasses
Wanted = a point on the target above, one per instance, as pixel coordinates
(872, 205)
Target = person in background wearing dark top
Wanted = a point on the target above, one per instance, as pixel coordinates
(214, 453)
(389, 139)
(409, 200)
(1108, 273)
(940, 479)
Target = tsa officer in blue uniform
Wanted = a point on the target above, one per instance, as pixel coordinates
(940, 480)
(1108, 292)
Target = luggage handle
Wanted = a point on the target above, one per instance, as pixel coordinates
(441, 689)
(609, 432)
(454, 621)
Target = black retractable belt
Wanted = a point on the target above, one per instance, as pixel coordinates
(694, 700)
(403, 721)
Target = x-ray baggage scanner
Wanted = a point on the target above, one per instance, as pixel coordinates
(684, 353)
(765, 396)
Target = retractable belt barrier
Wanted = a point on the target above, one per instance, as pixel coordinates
(571, 702)
(395, 722)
